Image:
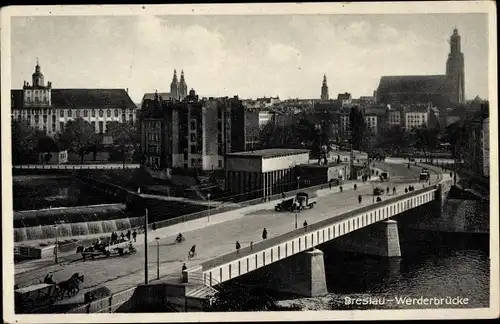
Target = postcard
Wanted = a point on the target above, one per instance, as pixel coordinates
(235, 162)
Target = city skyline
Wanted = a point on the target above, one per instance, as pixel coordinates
(249, 56)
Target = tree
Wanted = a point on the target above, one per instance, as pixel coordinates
(426, 139)
(456, 135)
(78, 136)
(358, 128)
(124, 135)
(393, 138)
(24, 142)
(46, 145)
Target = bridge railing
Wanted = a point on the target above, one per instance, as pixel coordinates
(262, 245)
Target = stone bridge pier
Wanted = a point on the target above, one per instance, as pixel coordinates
(302, 274)
(380, 239)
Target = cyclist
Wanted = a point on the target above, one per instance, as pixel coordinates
(192, 251)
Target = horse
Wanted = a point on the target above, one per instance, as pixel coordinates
(71, 285)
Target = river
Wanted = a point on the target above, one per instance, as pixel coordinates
(433, 264)
(43, 191)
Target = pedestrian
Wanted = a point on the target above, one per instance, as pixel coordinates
(264, 234)
(305, 225)
(451, 174)
(394, 190)
(251, 245)
(128, 235)
(134, 235)
(355, 187)
(184, 267)
(154, 226)
(341, 188)
(330, 184)
(406, 190)
(359, 199)
(387, 190)
(123, 237)
(238, 247)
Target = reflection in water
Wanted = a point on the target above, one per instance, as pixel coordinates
(43, 192)
(434, 265)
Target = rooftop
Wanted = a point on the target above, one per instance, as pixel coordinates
(266, 153)
(82, 99)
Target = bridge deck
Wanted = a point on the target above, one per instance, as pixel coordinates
(119, 273)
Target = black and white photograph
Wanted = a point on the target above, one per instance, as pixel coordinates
(242, 162)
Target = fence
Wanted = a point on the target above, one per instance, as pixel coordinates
(223, 209)
(108, 304)
(75, 166)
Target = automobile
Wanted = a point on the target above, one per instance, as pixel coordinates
(377, 191)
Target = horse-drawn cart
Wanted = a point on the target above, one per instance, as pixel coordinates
(29, 298)
(122, 248)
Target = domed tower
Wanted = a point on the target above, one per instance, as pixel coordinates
(182, 87)
(324, 89)
(37, 94)
(174, 87)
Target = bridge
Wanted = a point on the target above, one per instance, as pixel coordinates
(336, 214)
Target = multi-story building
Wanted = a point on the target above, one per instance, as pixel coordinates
(50, 109)
(416, 117)
(345, 99)
(345, 123)
(395, 117)
(486, 146)
(191, 133)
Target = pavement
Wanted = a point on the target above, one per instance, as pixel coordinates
(245, 225)
(85, 166)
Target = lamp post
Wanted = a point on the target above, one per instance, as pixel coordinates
(298, 188)
(157, 258)
(146, 281)
(56, 248)
(208, 195)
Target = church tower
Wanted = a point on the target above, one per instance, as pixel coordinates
(174, 87)
(182, 87)
(324, 89)
(455, 69)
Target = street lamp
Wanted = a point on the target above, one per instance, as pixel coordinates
(146, 280)
(298, 183)
(208, 207)
(56, 248)
(157, 258)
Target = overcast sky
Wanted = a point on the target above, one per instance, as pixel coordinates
(249, 56)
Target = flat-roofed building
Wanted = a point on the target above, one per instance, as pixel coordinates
(263, 173)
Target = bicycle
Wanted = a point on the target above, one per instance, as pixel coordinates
(191, 254)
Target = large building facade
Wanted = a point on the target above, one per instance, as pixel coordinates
(191, 133)
(50, 109)
(442, 90)
(263, 173)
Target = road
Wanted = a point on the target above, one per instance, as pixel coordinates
(119, 273)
